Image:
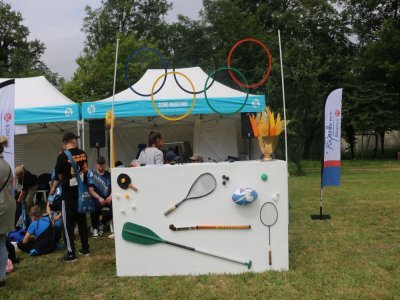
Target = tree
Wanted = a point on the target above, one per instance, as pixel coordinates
(124, 17)
(367, 17)
(188, 43)
(136, 23)
(18, 56)
(373, 88)
(316, 50)
(93, 80)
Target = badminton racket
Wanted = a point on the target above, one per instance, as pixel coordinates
(268, 217)
(235, 227)
(204, 185)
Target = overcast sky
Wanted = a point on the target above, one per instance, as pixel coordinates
(58, 24)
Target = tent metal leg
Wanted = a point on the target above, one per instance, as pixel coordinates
(83, 134)
(78, 132)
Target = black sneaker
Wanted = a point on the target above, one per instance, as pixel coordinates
(68, 257)
(84, 252)
(101, 229)
(2, 284)
(16, 260)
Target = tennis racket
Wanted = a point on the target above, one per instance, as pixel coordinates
(268, 217)
(204, 185)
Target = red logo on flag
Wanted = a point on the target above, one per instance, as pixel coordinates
(337, 113)
(7, 117)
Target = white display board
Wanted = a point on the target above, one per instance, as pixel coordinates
(159, 187)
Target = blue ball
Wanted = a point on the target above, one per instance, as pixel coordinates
(244, 196)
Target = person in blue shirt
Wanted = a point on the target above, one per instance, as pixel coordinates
(39, 238)
(99, 186)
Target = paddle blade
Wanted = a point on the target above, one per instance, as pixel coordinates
(135, 233)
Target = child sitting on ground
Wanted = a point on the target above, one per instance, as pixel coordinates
(39, 238)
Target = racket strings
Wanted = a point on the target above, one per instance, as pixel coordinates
(268, 214)
(203, 186)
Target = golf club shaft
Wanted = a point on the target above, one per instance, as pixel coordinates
(248, 264)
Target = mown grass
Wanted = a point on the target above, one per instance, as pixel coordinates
(354, 255)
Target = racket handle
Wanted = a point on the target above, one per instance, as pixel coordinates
(133, 187)
(170, 210)
(270, 257)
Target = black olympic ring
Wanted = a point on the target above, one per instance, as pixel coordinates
(189, 92)
(135, 52)
(181, 87)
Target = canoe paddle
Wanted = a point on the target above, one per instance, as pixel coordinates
(135, 233)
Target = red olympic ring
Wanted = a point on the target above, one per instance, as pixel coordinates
(254, 85)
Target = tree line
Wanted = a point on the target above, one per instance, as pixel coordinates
(326, 45)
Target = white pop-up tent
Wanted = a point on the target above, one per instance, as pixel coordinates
(44, 114)
(211, 134)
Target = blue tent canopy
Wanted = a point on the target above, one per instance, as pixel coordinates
(173, 100)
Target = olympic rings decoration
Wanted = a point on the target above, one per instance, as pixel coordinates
(157, 109)
(189, 92)
(229, 70)
(264, 79)
(164, 64)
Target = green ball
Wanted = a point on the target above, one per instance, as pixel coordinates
(264, 177)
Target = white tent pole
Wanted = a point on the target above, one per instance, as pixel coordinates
(284, 113)
(112, 153)
(83, 134)
(283, 97)
(78, 131)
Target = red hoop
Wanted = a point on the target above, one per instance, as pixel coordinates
(254, 85)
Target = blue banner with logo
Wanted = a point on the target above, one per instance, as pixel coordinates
(333, 118)
(144, 108)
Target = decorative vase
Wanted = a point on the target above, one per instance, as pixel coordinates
(268, 145)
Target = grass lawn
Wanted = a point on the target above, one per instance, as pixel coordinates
(354, 255)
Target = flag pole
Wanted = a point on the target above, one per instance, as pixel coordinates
(320, 203)
(321, 193)
(112, 145)
(284, 111)
(330, 160)
(283, 97)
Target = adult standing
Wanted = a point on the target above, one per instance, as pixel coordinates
(153, 155)
(69, 205)
(28, 182)
(7, 209)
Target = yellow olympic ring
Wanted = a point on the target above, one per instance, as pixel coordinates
(155, 106)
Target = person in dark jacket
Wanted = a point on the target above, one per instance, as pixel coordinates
(69, 204)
